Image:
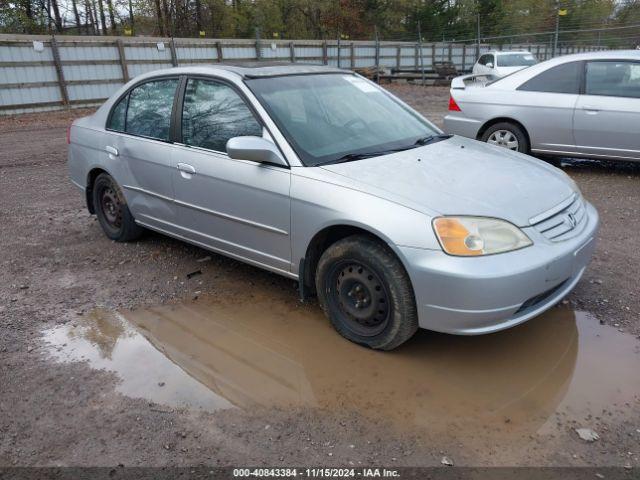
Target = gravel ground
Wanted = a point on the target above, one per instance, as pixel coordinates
(56, 265)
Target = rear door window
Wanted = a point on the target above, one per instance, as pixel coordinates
(613, 78)
(150, 106)
(563, 78)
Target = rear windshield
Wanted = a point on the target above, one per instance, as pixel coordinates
(516, 60)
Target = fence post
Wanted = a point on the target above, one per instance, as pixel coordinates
(420, 53)
(338, 50)
(352, 56)
(377, 57)
(478, 38)
(258, 51)
(219, 51)
(398, 53)
(292, 52)
(464, 56)
(422, 62)
(174, 56)
(123, 61)
(433, 54)
(416, 60)
(58, 65)
(325, 57)
(449, 56)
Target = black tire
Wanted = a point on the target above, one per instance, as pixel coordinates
(112, 211)
(513, 129)
(366, 293)
(555, 161)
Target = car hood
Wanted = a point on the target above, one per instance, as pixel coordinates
(460, 176)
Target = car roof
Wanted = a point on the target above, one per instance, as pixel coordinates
(507, 52)
(517, 78)
(260, 69)
(600, 55)
(276, 69)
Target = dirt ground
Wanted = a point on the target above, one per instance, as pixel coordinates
(56, 267)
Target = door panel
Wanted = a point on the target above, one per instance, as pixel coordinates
(147, 185)
(239, 207)
(608, 126)
(607, 116)
(141, 122)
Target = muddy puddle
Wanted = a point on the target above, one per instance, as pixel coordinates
(562, 366)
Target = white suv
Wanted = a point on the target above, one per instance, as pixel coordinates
(500, 64)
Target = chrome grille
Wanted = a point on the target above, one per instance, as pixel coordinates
(564, 221)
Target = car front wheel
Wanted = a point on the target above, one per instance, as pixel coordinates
(366, 293)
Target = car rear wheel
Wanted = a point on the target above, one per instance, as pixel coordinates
(366, 293)
(112, 211)
(507, 135)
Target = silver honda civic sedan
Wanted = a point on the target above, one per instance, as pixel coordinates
(583, 105)
(319, 175)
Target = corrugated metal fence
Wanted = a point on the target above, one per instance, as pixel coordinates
(39, 73)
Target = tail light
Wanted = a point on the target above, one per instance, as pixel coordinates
(453, 106)
(69, 135)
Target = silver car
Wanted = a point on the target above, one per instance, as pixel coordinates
(584, 105)
(319, 175)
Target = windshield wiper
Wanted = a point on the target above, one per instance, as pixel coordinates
(432, 138)
(352, 157)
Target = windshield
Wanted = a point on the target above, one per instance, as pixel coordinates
(329, 117)
(516, 60)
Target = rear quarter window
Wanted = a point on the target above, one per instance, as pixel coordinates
(563, 78)
(118, 115)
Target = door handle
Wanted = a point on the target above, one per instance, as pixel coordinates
(112, 150)
(186, 168)
(590, 108)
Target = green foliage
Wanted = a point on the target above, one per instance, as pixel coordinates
(451, 20)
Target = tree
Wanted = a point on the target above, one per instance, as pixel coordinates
(112, 19)
(167, 17)
(159, 19)
(56, 15)
(198, 17)
(76, 15)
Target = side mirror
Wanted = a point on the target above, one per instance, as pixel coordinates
(490, 65)
(256, 149)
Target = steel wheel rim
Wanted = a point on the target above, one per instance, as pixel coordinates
(505, 139)
(111, 207)
(361, 297)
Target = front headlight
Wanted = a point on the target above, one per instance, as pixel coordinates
(472, 236)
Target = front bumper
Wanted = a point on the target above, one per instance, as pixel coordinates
(478, 295)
